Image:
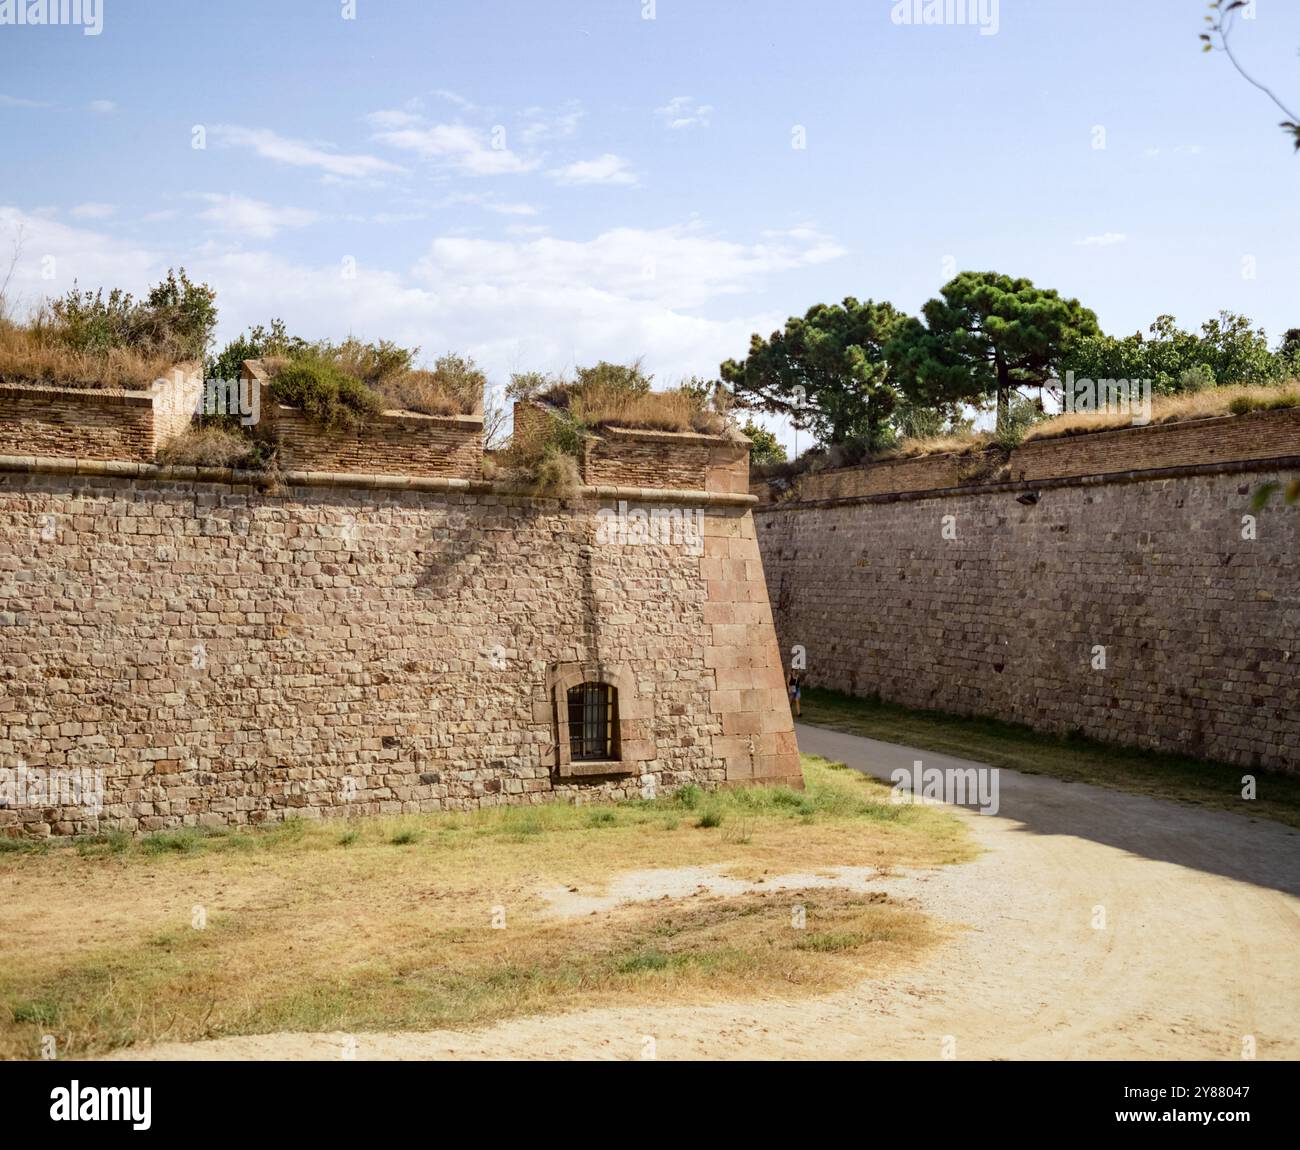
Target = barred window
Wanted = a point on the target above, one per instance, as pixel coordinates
(593, 722)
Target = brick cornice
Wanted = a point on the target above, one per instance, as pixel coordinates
(173, 474)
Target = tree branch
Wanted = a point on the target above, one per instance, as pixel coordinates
(1223, 26)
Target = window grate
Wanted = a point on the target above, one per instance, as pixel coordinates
(592, 717)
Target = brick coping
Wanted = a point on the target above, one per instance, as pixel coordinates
(121, 469)
(469, 422)
(653, 435)
(1097, 479)
(128, 395)
(1148, 428)
(1042, 441)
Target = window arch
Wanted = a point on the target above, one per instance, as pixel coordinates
(601, 722)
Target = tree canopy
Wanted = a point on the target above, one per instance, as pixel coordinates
(1227, 350)
(764, 445)
(826, 370)
(986, 336)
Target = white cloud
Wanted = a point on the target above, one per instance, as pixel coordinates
(470, 151)
(683, 112)
(389, 118)
(397, 217)
(93, 211)
(454, 98)
(606, 169)
(540, 125)
(253, 218)
(103, 107)
(676, 267)
(20, 102)
(675, 295)
(531, 302)
(1104, 240)
(53, 254)
(510, 209)
(301, 153)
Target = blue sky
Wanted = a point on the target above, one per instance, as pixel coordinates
(539, 184)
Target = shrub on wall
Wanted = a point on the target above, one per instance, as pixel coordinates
(454, 386)
(325, 393)
(89, 339)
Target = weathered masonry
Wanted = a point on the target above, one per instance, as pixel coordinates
(1120, 584)
(376, 640)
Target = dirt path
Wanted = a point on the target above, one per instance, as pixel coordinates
(1200, 949)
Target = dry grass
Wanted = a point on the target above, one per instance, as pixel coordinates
(431, 393)
(601, 404)
(33, 355)
(1213, 401)
(953, 443)
(385, 924)
(207, 447)
(450, 389)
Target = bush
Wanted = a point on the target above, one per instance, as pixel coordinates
(89, 339)
(543, 454)
(689, 796)
(209, 447)
(372, 363)
(33, 354)
(259, 343)
(1022, 413)
(325, 393)
(619, 395)
(1196, 378)
(455, 386)
(175, 320)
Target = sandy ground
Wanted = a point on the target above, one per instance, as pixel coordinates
(1199, 952)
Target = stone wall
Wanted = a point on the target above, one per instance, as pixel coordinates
(98, 423)
(637, 457)
(225, 656)
(394, 443)
(629, 457)
(922, 474)
(1256, 435)
(975, 603)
